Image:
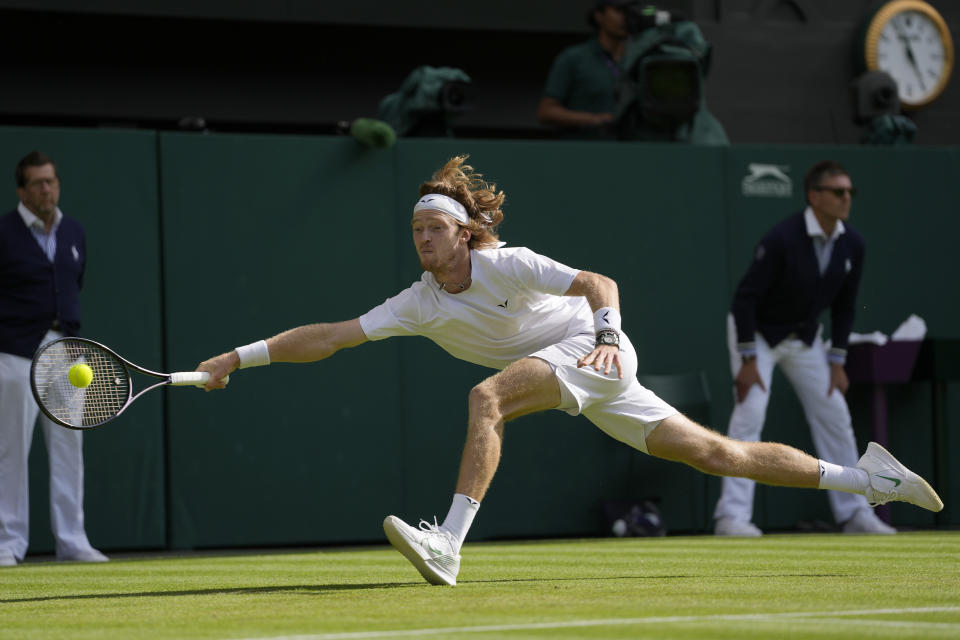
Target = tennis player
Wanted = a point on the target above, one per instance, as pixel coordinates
(554, 333)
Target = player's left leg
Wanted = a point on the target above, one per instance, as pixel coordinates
(526, 386)
(878, 475)
(680, 439)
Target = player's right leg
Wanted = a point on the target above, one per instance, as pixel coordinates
(526, 386)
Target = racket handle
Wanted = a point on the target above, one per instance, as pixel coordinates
(184, 378)
(196, 378)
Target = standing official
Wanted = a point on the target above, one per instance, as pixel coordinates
(807, 263)
(42, 260)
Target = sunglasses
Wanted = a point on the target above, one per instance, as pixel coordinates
(838, 191)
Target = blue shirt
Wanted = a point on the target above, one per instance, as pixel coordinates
(822, 245)
(46, 240)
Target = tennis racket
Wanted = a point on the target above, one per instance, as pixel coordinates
(110, 391)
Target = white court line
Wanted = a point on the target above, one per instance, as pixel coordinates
(873, 622)
(815, 616)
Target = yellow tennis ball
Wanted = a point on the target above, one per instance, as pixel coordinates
(80, 375)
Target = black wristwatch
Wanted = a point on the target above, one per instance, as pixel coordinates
(608, 337)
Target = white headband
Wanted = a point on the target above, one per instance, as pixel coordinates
(445, 204)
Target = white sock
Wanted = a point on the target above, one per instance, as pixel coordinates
(849, 479)
(460, 517)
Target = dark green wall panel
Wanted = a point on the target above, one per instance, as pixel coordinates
(263, 234)
(108, 182)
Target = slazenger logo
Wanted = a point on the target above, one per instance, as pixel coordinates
(767, 180)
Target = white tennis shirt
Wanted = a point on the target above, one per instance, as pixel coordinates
(514, 307)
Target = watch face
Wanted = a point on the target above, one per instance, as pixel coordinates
(911, 43)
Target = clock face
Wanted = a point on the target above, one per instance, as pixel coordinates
(912, 47)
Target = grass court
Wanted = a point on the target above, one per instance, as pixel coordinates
(778, 586)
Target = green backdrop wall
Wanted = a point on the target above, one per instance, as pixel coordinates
(203, 242)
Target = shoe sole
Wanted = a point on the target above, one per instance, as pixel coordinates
(393, 527)
(930, 496)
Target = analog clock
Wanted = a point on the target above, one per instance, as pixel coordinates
(909, 40)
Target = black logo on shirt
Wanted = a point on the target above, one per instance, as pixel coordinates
(505, 303)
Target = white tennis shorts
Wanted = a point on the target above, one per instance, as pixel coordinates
(623, 409)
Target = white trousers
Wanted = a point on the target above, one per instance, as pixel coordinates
(18, 415)
(808, 371)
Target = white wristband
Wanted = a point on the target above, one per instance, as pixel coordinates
(606, 318)
(255, 354)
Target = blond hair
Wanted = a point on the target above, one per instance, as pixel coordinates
(481, 199)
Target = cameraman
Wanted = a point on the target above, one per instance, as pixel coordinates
(580, 94)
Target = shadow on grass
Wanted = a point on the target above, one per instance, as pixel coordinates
(697, 576)
(315, 588)
(321, 588)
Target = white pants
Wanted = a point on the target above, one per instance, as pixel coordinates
(808, 371)
(18, 414)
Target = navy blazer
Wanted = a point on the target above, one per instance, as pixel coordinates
(783, 291)
(34, 292)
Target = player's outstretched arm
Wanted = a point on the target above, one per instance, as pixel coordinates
(313, 342)
(307, 343)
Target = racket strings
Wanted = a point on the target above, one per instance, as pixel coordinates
(94, 404)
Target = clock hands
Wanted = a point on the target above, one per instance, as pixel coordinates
(912, 59)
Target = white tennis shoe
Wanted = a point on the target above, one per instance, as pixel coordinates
(430, 550)
(86, 555)
(7, 559)
(891, 481)
(866, 521)
(731, 527)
